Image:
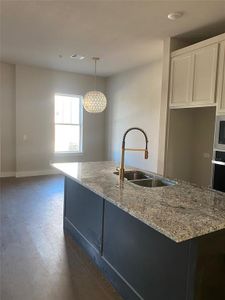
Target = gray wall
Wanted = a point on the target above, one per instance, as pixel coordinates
(190, 147)
(134, 100)
(32, 114)
(7, 117)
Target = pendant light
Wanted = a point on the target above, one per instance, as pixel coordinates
(95, 101)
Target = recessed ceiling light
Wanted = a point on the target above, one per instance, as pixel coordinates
(77, 56)
(175, 15)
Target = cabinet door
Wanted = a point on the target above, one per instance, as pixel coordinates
(153, 265)
(84, 209)
(204, 77)
(180, 80)
(221, 80)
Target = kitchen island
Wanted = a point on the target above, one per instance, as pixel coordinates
(151, 243)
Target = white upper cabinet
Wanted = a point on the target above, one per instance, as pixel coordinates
(180, 79)
(193, 77)
(204, 75)
(221, 80)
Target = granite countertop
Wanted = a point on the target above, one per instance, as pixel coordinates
(180, 212)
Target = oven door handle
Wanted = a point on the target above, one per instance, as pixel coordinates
(216, 162)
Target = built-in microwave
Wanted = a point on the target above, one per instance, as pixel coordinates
(219, 143)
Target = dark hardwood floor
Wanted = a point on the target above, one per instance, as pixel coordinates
(38, 262)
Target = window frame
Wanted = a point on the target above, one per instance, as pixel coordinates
(79, 124)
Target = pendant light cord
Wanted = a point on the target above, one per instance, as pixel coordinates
(95, 74)
(95, 60)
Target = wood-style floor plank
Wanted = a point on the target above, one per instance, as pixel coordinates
(38, 262)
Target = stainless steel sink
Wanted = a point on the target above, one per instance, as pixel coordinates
(146, 180)
(153, 182)
(134, 175)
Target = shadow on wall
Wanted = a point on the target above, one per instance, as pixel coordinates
(204, 32)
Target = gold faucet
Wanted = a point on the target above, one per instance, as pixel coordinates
(123, 149)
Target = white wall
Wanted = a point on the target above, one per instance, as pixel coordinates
(7, 117)
(28, 109)
(134, 99)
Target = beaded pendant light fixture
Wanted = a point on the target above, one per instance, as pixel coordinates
(95, 101)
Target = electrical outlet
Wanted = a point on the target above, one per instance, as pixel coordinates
(206, 155)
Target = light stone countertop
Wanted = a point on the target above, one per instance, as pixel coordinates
(180, 212)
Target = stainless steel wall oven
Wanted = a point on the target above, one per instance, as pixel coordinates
(219, 143)
(219, 171)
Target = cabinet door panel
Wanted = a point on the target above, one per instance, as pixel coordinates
(221, 80)
(153, 265)
(84, 210)
(204, 80)
(180, 79)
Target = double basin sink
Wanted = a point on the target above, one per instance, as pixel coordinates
(146, 180)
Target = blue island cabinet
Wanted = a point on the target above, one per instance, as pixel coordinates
(140, 262)
(83, 213)
(155, 266)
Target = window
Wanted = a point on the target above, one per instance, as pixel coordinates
(68, 123)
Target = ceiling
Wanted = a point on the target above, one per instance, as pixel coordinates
(124, 34)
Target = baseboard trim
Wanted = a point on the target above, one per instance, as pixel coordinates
(7, 174)
(37, 173)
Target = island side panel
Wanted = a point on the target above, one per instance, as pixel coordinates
(73, 194)
(155, 266)
(83, 212)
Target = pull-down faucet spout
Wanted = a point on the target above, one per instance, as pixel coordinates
(123, 149)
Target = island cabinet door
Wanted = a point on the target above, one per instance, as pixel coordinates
(154, 266)
(84, 211)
